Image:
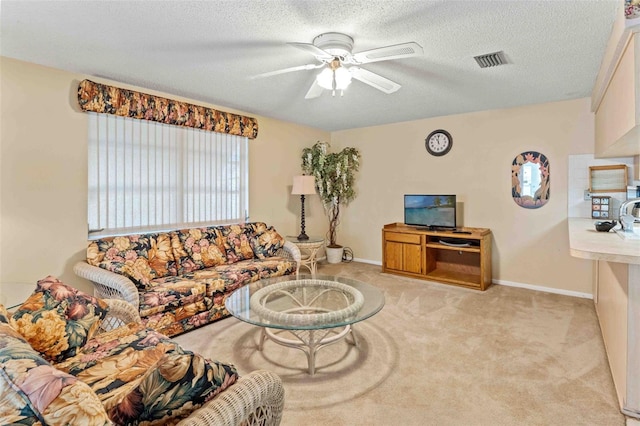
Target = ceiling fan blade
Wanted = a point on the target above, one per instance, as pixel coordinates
(398, 51)
(314, 50)
(374, 80)
(314, 91)
(286, 70)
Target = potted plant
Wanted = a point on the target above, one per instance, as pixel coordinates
(335, 178)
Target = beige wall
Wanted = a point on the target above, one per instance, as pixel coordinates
(43, 173)
(529, 246)
(275, 157)
(43, 179)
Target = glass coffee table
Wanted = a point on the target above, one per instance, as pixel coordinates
(305, 312)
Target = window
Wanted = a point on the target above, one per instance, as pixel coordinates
(147, 176)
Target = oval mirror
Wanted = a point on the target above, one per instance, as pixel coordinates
(530, 180)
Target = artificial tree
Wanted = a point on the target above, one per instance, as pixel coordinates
(335, 178)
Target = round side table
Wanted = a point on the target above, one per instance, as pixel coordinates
(308, 250)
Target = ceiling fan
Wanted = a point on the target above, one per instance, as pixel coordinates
(333, 52)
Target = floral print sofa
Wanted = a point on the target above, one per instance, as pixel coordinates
(58, 366)
(179, 280)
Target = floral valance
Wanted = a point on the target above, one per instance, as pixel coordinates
(101, 98)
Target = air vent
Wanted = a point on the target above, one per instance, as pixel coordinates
(491, 59)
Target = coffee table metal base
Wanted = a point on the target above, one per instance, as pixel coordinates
(309, 341)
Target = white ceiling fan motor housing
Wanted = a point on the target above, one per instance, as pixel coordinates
(336, 44)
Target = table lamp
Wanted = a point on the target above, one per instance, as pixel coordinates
(303, 185)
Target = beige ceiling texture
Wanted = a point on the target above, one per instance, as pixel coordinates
(208, 50)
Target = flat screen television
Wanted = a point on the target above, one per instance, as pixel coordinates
(433, 211)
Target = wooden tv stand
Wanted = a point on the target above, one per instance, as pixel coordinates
(438, 255)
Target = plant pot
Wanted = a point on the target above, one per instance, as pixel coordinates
(334, 254)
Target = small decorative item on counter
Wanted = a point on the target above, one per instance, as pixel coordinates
(600, 207)
(605, 226)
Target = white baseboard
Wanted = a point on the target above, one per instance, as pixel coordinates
(545, 289)
(512, 284)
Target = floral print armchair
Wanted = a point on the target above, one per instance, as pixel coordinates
(58, 367)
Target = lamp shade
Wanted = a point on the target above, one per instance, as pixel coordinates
(304, 185)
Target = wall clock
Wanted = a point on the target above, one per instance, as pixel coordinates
(439, 142)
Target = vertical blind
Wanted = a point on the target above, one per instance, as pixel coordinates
(147, 176)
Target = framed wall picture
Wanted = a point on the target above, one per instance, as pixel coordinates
(530, 180)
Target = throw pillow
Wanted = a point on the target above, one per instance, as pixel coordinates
(267, 243)
(190, 379)
(236, 242)
(254, 228)
(141, 258)
(57, 319)
(198, 248)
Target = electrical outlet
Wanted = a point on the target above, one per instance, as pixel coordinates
(587, 195)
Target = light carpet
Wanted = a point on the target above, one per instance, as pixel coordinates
(439, 355)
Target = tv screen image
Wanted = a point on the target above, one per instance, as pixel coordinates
(437, 211)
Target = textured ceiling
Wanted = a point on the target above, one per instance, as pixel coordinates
(208, 51)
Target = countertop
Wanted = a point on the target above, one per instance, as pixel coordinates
(587, 243)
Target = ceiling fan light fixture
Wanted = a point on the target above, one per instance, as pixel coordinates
(333, 51)
(334, 78)
(325, 79)
(343, 78)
